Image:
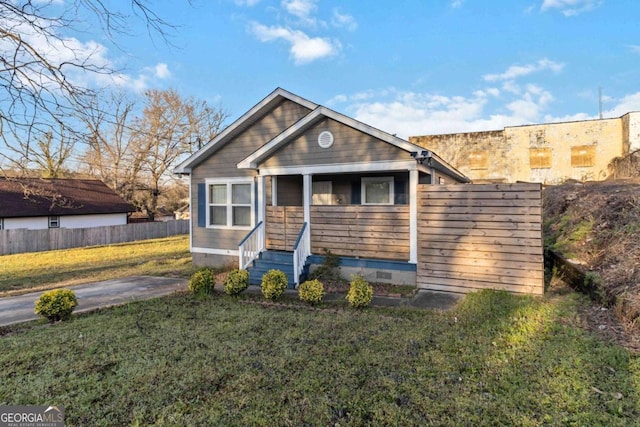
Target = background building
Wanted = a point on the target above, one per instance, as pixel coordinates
(546, 153)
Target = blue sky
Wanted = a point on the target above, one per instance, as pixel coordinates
(409, 67)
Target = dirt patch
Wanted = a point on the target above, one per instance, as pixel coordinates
(597, 225)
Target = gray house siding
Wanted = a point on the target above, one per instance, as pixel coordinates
(223, 165)
(350, 145)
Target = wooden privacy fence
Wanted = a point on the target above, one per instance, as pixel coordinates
(374, 231)
(473, 237)
(282, 227)
(380, 232)
(23, 240)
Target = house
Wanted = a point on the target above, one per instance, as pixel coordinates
(290, 179)
(545, 153)
(35, 203)
(183, 212)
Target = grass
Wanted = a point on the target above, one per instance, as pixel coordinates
(22, 273)
(496, 359)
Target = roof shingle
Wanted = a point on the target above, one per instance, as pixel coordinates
(27, 197)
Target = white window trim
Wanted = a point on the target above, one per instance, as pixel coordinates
(57, 220)
(363, 195)
(229, 182)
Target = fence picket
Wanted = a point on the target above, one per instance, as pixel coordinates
(24, 240)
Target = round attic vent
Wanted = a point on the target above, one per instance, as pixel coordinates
(325, 139)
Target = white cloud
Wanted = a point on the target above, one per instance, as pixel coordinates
(411, 113)
(337, 99)
(136, 84)
(94, 67)
(456, 3)
(162, 71)
(303, 49)
(627, 103)
(344, 21)
(570, 7)
(300, 8)
(140, 82)
(634, 48)
(516, 71)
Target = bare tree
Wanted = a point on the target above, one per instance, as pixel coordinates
(134, 155)
(41, 64)
(48, 156)
(53, 155)
(164, 133)
(111, 154)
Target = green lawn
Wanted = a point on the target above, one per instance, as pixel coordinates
(496, 359)
(45, 270)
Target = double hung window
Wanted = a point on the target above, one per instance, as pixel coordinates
(230, 204)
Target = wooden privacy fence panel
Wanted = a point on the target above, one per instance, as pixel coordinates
(479, 236)
(282, 227)
(380, 232)
(23, 240)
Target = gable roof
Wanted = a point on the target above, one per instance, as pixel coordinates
(246, 120)
(317, 113)
(309, 120)
(28, 197)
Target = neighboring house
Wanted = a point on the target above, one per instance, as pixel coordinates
(183, 212)
(545, 153)
(294, 176)
(35, 203)
(163, 215)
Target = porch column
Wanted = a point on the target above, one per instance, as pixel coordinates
(274, 190)
(261, 198)
(306, 203)
(413, 216)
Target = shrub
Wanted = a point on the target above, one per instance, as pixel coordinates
(56, 304)
(360, 292)
(236, 282)
(274, 282)
(202, 282)
(311, 291)
(329, 269)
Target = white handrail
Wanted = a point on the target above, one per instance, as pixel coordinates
(301, 251)
(251, 246)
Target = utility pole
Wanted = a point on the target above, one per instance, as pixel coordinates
(600, 102)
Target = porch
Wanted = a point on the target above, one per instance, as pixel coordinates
(358, 231)
(373, 240)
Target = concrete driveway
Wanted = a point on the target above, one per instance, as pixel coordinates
(94, 295)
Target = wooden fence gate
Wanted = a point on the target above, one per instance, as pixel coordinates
(478, 236)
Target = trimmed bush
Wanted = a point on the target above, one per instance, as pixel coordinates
(202, 282)
(311, 291)
(57, 304)
(236, 282)
(274, 282)
(360, 292)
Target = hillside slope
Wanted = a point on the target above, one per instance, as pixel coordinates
(597, 225)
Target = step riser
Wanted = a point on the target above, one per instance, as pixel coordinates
(272, 260)
(276, 257)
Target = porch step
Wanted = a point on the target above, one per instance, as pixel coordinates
(274, 260)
